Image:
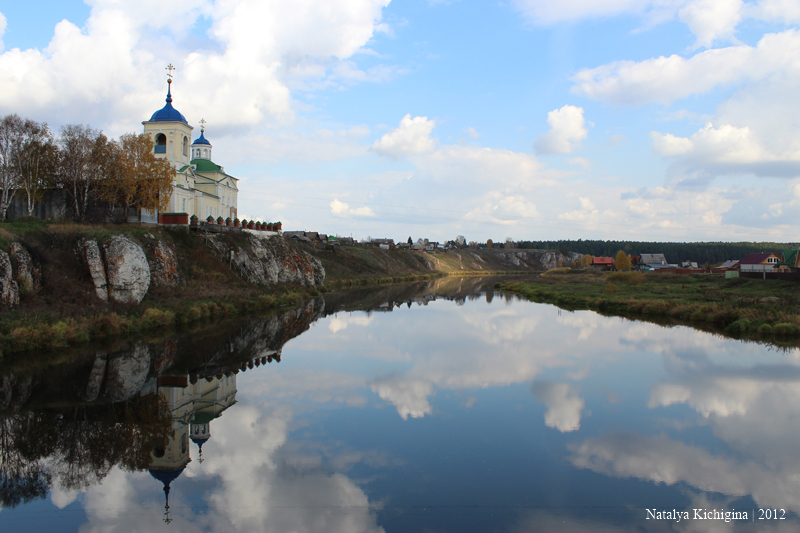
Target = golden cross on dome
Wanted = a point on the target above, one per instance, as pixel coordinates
(202, 124)
(169, 70)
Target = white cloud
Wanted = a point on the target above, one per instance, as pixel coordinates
(507, 210)
(409, 396)
(586, 204)
(412, 136)
(566, 131)
(785, 11)
(564, 406)
(660, 460)
(727, 149)
(711, 20)
(239, 76)
(341, 209)
(666, 144)
(666, 79)
(337, 324)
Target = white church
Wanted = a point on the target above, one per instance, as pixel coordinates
(200, 187)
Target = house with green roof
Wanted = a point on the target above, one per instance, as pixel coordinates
(789, 261)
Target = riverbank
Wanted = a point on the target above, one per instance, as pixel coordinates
(66, 310)
(764, 310)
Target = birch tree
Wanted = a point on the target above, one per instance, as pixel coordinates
(10, 128)
(35, 159)
(84, 159)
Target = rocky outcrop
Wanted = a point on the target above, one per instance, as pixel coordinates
(127, 373)
(269, 260)
(164, 266)
(29, 274)
(95, 381)
(546, 259)
(15, 391)
(90, 253)
(9, 290)
(127, 269)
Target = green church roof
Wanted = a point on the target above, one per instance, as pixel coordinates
(205, 165)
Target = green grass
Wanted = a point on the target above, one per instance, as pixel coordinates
(739, 308)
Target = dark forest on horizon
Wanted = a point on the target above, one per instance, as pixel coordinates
(675, 252)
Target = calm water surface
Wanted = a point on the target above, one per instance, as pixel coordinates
(445, 408)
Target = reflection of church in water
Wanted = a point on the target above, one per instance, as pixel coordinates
(194, 402)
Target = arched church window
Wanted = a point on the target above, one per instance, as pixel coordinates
(161, 144)
(205, 152)
(186, 146)
(158, 449)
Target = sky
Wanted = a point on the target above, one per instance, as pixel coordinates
(666, 120)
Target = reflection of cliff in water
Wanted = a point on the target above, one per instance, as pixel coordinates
(137, 406)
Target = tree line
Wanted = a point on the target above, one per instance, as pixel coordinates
(675, 252)
(87, 166)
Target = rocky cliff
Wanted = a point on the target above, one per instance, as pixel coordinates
(546, 259)
(267, 260)
(9, 290)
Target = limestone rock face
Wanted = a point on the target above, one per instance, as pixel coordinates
(127, 373)
(9, 290)
(164, 267)
(546, 259)
(270, 260)
(29, 274)
(127, 269)
(91, 257)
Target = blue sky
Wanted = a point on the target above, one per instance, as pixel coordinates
(529, 119)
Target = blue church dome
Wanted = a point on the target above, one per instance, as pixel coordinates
(168, 113)
(201, 140)
(166, 475)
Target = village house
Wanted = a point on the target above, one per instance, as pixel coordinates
(730, 264)
(790, 260)
(653, 262)
(760, 262)
(604, 263)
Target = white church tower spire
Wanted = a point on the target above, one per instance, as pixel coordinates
(169, 130)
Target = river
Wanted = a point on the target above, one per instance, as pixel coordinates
(441, 407)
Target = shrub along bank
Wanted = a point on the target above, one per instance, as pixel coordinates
(740, 308)
(48, 332)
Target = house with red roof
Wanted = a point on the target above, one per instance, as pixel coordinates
(605, 263)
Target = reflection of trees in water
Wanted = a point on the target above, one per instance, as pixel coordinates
(81, 446)
(21, 480)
